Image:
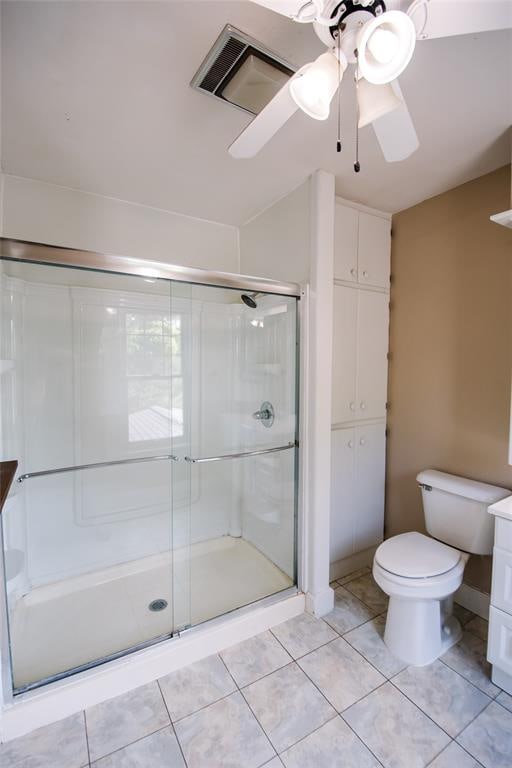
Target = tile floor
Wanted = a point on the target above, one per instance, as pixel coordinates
(310, 693)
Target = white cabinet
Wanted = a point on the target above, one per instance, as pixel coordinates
(359, 384)
(362, 247)
(374, 244)
(346, 225)
(357, 494)
(499, 646)
(344, 354)
(360, 345)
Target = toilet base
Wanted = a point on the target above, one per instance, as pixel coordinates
(419, 631)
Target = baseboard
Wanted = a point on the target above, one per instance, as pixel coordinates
(474, 600)
(352, 563)
(320, 604)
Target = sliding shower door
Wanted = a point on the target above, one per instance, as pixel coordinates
(239, 460)
(92, 400)
(155, 426)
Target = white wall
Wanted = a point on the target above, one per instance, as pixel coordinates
(46, 213)
(276, 243)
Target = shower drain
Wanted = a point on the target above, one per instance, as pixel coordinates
(157, 605)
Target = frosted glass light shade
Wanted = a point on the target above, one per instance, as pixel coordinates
(385, 46)
(314, 86)
(374, 101)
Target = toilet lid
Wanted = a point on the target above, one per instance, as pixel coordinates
(416, 556)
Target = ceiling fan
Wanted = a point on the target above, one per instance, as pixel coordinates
(378, 38)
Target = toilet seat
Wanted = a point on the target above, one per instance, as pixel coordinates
(416, 556)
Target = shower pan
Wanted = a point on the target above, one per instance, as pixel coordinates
(153, 413)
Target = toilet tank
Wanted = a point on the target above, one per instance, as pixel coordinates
(455, 510)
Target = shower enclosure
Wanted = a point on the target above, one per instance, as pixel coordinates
(153, 413)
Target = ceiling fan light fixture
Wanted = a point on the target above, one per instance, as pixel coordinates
(385, 46)
(315, 84)
(375, 101)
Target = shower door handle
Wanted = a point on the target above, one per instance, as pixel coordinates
(266, 414)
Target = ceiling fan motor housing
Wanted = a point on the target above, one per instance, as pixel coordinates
(350, 16)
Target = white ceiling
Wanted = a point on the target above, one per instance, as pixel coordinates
(96, 96)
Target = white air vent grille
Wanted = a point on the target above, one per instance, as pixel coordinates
(222, 64)
(229, 53)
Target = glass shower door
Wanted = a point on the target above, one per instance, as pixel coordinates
(155, 425)
(239, 456)
(91, 410)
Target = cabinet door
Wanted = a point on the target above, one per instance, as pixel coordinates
(345, 243)
(370, 442)
(374, 249)
(344, 402)
(343, 450)
(372, 354)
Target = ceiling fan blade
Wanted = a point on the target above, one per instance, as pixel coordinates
(291, 8)
(264, 125)
(395, 131)
(443, 18)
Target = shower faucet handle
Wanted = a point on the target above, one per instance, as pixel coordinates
(265, 414)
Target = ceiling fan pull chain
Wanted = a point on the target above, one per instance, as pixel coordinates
(357, 166)
(338, 143)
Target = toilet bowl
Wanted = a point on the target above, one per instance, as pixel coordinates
(422, 573)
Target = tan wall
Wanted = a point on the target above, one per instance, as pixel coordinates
(451, 348)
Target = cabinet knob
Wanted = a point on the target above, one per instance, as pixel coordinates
(365, 273)
(352, 406)
(353, 272)
(362, 441)
(350, 444)
(363, 405)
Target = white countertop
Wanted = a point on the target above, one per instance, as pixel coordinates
(502, 508)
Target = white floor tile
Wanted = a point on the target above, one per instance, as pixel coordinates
(368, 639)
(117, 722)
(341, 673)
(349, 612)
(254, 658)
(198, 685)
(224, 735)
(303, 634)
(160, 750)
(489, 737)
(59, 745)
(288, 706)
(332, 745)
(446, 697)
(395, 730)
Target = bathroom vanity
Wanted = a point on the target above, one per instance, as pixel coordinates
(499, 651)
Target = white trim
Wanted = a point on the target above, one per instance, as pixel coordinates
(473, 600)
(364, 208)
(502, 679)
(135, 204)
(361, 287)
(352, 563)
(358, 423)
(320, 595)
(321, 603)
(66, 697)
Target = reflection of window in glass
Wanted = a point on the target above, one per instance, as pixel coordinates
(154, 375)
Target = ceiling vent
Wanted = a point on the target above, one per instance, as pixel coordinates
(242, 71)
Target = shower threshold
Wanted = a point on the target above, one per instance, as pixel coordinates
(73, 623)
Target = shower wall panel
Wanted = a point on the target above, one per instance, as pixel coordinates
(73, 401)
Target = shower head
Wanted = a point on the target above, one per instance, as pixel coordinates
(249, 300)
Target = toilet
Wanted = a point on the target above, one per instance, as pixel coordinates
(421, 573)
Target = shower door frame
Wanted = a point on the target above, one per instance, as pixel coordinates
(40, 253)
